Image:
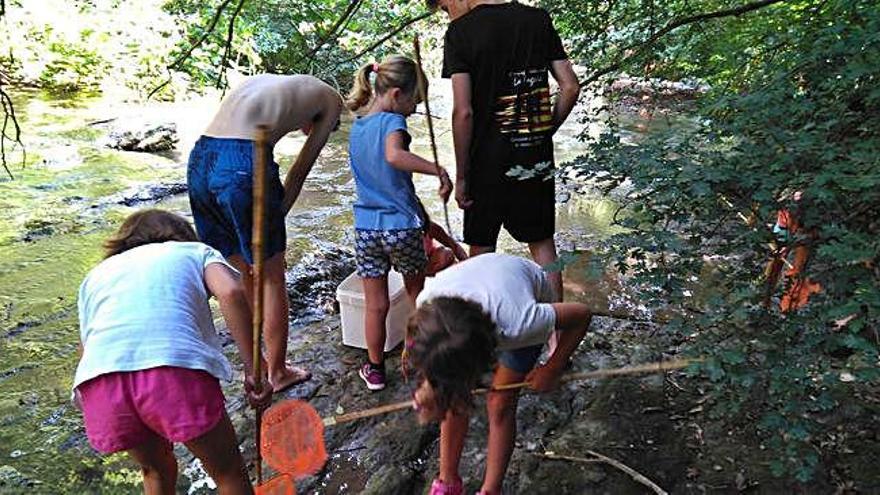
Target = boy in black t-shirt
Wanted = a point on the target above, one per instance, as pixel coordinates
(498, 55)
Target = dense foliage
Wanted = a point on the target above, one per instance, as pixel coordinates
(794, 107)
(189, 45)
(86, 45)
(327, 38)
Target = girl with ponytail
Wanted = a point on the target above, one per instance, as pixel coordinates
(387, 219)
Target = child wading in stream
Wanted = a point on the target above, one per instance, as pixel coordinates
(487, 307)
(151, 357)
(387, 218)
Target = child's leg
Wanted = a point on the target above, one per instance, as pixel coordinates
(376, 311)
(218, 451)
(158, 465)
(414, 283)
(501, 407)
(453, 430)
(275, 323)
(544, 253)
(275, 326)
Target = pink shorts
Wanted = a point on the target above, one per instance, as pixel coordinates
(122, 410)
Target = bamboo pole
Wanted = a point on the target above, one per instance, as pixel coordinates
(423, 92)
(257, 252)
(657, 367)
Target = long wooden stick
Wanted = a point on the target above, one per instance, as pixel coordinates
(657, 367)
(423, 91)
(257, 252)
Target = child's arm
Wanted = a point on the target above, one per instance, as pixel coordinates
(569, 89)
(437, 232)
(572, 319)
(226, 286)
(319, 132)
(462, 133)
(402, 159)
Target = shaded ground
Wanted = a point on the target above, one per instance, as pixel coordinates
(655, 425)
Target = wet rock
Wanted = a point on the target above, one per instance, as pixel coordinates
(11, 478)
(8, 373)
(23, 326)
(75, 440)
(312, 282)
(55, 417)
(37, 228)
(390, 479)
(132, 135)
(150, 193)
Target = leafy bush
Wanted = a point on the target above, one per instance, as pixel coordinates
(798, 110)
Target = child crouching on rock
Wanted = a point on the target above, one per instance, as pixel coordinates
(487, 307)
(152, 359)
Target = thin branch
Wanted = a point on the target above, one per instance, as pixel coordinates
(385, 38)
(229, 33)
(673, 26)
(349, 11)
(204, 36)
(9, 115)
(184, 56)
(635, 475)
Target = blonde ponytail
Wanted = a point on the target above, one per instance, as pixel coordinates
(361, 92)
(395, 71)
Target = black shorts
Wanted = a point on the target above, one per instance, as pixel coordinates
(526, 209)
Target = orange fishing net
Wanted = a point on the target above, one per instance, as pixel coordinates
(293, 439)
(279, 485)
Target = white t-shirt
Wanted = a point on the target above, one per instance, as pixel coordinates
(513, 290)
(148, 307)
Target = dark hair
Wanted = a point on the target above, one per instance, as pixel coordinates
(451, 343)
(432, 4)
(147, 227)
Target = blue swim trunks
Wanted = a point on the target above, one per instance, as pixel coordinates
(220, 179)
(521, 360)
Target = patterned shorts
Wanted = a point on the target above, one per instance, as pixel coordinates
(376, 251)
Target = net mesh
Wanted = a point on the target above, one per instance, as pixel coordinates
(293, 439)
(279, 485)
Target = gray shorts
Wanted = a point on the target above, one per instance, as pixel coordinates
(376, 251)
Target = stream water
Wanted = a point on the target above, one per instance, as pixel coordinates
(69, 196)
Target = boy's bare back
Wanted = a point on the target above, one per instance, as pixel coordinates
(283, 103)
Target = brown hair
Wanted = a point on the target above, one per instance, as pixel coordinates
(395, 71)
(147, 227)
(451, 343)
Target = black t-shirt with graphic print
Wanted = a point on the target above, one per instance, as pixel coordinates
(507, 50)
